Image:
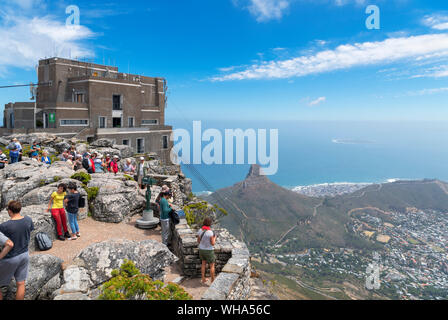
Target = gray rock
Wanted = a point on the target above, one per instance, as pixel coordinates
(42, 269)
(48, 289)
(150, 257)
(125, 151)
(61, 146)
(102, 143)
(42, 220)
(117, 198)
(4, 142)
(76, 279)
(72, 296)
(220, 287)
(81, 148)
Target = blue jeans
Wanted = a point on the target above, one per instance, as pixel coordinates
(14, 159)
(73, 222)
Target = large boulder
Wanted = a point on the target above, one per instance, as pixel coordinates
(81, 148)
(125, 151)
(18, 179)
(98, 260)
(61, 146)
(117, 198)
(42, 269)
(102, 143)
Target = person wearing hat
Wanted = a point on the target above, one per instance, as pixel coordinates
(142, 170)
(99, 164)
(114, 165)
(88, 163)
(78, 163)
(107, 162)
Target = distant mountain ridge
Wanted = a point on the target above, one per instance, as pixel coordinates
(260, 210)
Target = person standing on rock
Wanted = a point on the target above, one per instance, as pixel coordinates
(13, 152)
(88, 163)
(128, 168)
(56, 205)
(206, 240)
(142, 171)
(15, 263)
(165, 209)
(99, 164)
(114, 165)
(19, 148)
(71, 201)
(78, 163)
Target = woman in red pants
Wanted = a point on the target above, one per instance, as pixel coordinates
(57, 211)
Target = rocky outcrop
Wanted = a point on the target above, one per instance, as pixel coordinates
(102, 143)
(43, 274)
(93, 266)
(117, 198)
(18, 179)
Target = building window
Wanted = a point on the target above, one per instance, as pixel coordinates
(131, 122)
(79, 97)
(102, 121)
(140, 145)
(164, 142)
(149, 122)
(126, 142)
(75, 123)
(116, 122)
(116, 102)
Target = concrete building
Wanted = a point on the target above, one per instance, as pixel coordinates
(92, 101)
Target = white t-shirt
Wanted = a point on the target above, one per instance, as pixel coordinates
(205, 241)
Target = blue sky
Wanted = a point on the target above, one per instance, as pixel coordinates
(249, 59)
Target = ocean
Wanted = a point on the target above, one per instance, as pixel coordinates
(335, 151)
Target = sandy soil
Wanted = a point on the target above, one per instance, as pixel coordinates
(94, 231)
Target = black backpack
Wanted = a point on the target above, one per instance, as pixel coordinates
(174, 217)
(81, 202)
(43, 241)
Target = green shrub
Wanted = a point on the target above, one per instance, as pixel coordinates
(196, 213)
(82, 176)
(128, 177)
(56, 178)
(129, 284)
(42, 182)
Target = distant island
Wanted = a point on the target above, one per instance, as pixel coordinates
(352, 141)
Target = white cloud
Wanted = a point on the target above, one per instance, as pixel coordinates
(25, 40)
(317, 101)
(437, 22)
(426, 92)
(346, 56)
(265, 10)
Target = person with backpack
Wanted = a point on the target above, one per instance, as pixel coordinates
(56, 205)
(71, 202)
(15, 263)
(88, 163)
(206, 239)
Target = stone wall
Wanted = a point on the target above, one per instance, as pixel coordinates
(232, 262)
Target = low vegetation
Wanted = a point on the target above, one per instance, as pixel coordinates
(128, 283)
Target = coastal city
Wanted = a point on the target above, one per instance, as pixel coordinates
(413, 263)
(329, 189)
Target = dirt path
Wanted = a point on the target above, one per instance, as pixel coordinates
(94, 231)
